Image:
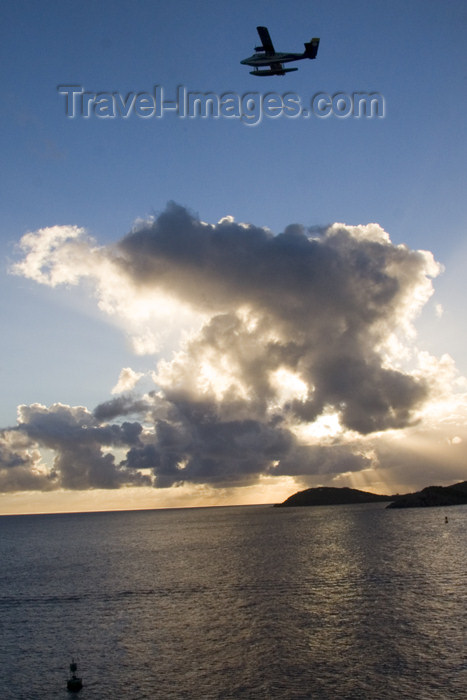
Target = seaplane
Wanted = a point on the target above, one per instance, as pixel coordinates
(266, 55)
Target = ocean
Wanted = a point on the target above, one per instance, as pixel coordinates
(333, 602)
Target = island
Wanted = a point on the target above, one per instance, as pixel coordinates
(430, 496)
(455, 495)
(331, 496)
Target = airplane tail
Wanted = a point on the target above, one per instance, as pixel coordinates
(311, 48)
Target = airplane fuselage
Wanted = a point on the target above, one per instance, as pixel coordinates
(260, 59)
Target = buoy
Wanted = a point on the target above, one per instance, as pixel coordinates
(74, 683)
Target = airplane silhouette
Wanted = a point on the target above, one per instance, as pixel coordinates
(267, 56)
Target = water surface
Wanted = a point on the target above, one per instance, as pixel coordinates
(245, 602)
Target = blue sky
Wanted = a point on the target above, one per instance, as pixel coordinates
(405, 171)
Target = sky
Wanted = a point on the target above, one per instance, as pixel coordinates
(225, 309)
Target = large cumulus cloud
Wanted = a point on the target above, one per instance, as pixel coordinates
(286, 332)
(321, 307)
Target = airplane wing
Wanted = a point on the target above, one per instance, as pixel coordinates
(266, 40)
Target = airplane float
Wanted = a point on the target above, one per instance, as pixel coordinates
(267, 56)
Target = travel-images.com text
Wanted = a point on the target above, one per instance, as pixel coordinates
(250, 108)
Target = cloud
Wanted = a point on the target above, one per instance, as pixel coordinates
(81, 445)
(292, 353)
(127, 380)
(20, 464)
(320, 307)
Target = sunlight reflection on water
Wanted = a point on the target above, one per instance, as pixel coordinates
(248, 602)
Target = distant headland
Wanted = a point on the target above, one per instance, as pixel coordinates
(330, 496)
(430, 496)
(455, 495)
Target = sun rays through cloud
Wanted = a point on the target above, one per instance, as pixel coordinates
(271, 359)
